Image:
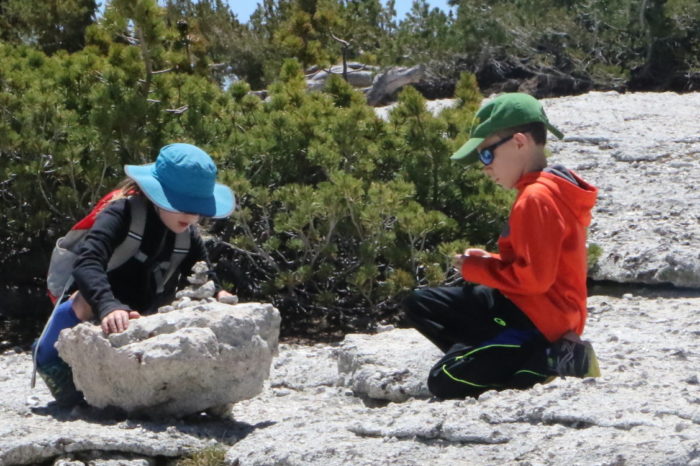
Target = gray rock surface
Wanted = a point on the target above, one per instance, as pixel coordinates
(378, 85)
(391, 365)
(358, 75)
(643, 153)
(644, 410)
(385, 84)
(175, 363)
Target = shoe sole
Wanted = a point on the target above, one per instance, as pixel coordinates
(593, 367)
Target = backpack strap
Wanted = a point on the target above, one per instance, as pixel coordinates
(130, 246)
(167, 269)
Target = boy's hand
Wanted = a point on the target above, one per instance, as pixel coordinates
(476, 253)
(471, 252)
(225, 297)
(118, 321)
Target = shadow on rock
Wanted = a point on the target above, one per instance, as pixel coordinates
(201, 425)
(104, 416)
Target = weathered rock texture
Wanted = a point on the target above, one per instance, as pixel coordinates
(644, 410)
(358, 75)
(175, 363)
(387, 83)
(643, 152)
(391, 365)
(378, 85)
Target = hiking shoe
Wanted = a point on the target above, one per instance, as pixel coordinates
(571, 356)
(58, 377)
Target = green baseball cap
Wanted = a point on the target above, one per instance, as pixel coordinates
(505, 111)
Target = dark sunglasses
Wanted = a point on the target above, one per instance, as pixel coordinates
(486, 155)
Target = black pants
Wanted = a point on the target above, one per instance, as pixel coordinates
(489, 343)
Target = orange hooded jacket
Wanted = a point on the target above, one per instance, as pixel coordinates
(542, 263)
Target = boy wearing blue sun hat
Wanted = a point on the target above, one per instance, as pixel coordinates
(517, 320)
(141, 244)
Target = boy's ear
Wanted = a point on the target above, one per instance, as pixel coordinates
(522, 139)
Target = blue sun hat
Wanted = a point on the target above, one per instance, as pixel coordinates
(183, 179)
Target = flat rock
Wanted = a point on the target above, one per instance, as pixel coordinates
(645, 409)
(391, 365)
(175, 363)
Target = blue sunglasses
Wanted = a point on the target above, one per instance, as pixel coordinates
(486, 155)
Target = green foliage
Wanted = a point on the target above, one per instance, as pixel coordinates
(340, 212)
(210, 456)
(70, 121)
(331, 222)
(611, 43)
(594, 252)
(425, 35)
(601, 43)
(55, 25)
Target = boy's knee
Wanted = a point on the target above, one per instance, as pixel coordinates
(412, 304)
(81, 308)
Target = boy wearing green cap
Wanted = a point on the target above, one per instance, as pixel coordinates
(518, 319)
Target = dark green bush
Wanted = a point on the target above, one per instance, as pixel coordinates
(340, 212)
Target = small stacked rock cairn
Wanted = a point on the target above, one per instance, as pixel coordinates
(198, 354)
(201, 288)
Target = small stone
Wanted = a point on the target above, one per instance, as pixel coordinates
(232, 299)
(68, 462)
(183, 302)
(205, 291)
(199, 274)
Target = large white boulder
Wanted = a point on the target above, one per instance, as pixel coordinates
(191, 359)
